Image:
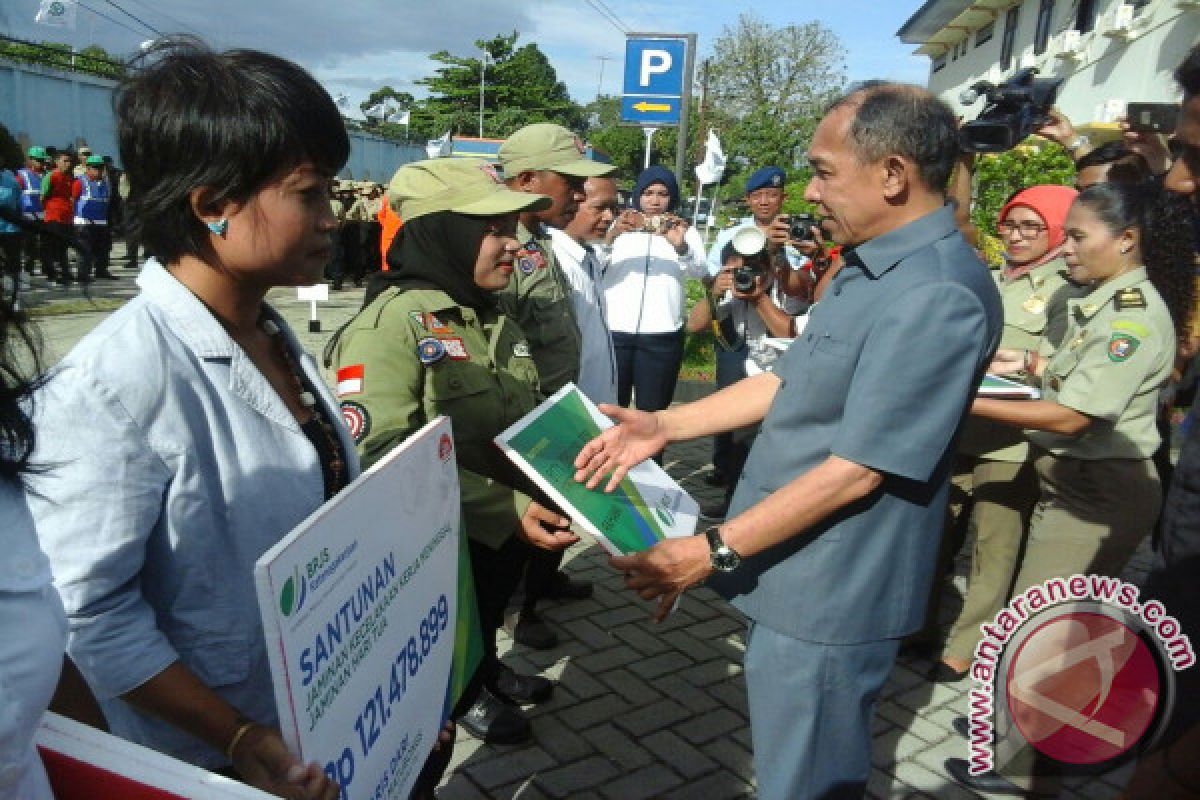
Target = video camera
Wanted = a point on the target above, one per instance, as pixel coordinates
(1015, 109)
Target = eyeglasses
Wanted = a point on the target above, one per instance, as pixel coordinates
(504, 230)
(1028, 229)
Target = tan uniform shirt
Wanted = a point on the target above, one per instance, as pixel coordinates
(539, 298)
(414, 354)
(1114, 362)
(1035, 316)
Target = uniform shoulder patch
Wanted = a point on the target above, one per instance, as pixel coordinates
(430, 350)
(1129, 298)
(357, 419)
(1122, 345)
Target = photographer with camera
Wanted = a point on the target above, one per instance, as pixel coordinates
(749, 307)
(653, 252)
(764, 196)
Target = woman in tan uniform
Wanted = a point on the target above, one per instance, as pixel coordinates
(994, 464)
(1093, 433)
(434, 343)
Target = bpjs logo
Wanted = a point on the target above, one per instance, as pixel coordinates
(665, 513)
(293, 593)
(295, 588)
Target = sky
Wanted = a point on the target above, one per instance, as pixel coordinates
(356, 46)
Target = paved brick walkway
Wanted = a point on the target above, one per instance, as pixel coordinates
(645, 710)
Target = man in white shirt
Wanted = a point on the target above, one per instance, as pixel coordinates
(764, 196)
(577, 249)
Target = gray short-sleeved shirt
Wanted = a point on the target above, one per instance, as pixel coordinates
(883, 376)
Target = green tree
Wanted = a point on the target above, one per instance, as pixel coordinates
(767, 88)
(520, 87)
(998, 176)
(401, 100)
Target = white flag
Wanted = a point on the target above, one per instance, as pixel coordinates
(439, 148)
(376, 111)
(712, 167)
(399, 117)
(57, 13)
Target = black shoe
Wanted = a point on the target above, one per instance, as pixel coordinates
(563, 587)
(716, 478)
(962, 726)
(987, 783)
(532, 631)
(495, 722)
(522, 689)
(944, 673)
(714, 510)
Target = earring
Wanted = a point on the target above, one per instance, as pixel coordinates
(1125, 250)
(219, 227)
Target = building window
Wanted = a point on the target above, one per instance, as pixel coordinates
(1085, 17)
(939, 63)
(984, 34)
(1010, 34)
(1042, 35)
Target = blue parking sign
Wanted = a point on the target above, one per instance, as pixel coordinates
(654, 79)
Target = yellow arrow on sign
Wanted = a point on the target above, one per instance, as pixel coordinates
(644, 106)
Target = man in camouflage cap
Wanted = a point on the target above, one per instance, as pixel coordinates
(547, 159)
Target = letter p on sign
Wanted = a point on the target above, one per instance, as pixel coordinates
(654, 62)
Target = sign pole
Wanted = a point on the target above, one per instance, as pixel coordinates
(685, 102)
(649, 140)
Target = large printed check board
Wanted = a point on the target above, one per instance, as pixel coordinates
(359, 609)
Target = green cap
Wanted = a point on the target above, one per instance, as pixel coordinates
(461, 185)
(94, 161)
(547, 146)
(39, 153)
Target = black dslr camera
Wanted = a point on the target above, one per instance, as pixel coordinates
(800, 227)
(744, 277)
(1015, 109)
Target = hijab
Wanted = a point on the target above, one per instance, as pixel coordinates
(438, 251)
(656, 174)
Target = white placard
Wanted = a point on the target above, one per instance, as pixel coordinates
(358, 606)
(318, 292)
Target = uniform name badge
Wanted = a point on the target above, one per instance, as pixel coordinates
(1034, 304)
(430, 350)
(521, 350)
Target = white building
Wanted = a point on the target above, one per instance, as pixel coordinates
(1110, 52)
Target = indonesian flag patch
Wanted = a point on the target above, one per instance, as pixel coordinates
(350, 380)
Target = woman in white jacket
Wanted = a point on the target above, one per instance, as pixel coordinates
(653, 253)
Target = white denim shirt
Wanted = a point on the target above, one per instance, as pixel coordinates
(173, 466)
(597, 362)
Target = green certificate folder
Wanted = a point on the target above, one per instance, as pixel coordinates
(996, 386)
(647, 507)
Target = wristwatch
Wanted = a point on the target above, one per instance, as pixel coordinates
(723, 557)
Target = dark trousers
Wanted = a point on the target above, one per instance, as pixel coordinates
(352, 235)
(132, 245)
(497, 573)
(540, 575)
(34, 246)
(95, 247)
(10, 253)
(647, 367)
(55, 264)
(731, 368)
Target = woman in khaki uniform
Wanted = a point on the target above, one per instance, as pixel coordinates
(994, 464)
(1093, 433)
(435, 343)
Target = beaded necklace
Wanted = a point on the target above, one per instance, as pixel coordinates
(335, 470)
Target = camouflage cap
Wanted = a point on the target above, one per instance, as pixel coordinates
(462, 185)
(544, 145)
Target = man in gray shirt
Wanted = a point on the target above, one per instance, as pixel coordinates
(830, 543)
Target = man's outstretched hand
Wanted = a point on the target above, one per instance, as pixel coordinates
(637, 435)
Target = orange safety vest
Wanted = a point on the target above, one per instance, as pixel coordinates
(391, 223)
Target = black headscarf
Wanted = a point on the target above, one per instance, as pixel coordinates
(437, 251)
